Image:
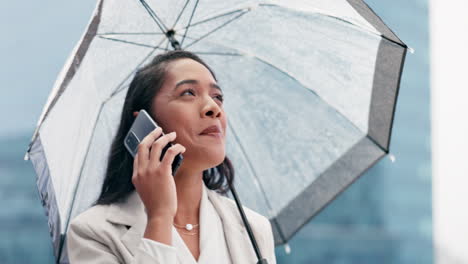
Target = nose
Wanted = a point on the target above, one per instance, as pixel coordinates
(211, 109)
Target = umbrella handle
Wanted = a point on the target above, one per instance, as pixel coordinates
(261, 260)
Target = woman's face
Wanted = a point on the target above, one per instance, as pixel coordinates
(189, 102)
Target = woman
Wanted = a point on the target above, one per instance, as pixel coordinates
(145, 214)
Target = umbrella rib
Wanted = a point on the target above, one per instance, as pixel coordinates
(312, 91)
(360, 27)
(190, 21)
(252, 169)
(216, 53)
(215, 17)
(154, 16)
(81, 170)
(254, 174)
(180, 14)
(129, 33)
(130, 42)
(217, 28)
(121, 86)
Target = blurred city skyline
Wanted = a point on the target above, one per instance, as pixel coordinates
(384, 217)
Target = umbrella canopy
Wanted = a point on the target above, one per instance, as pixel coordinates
(310, 89)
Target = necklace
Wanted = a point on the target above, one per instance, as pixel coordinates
(188, 233)
(187, 227)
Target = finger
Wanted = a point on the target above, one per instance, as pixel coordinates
(135, 167)
(135, 163)
(157, 147)
(170, 155)
(144, 146)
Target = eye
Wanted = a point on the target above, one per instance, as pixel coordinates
(188, 90)
(220, 97)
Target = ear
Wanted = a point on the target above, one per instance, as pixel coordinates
(135, 113)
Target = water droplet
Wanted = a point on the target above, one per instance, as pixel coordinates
(287, 248)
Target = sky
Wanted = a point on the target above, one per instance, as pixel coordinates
(32, 52)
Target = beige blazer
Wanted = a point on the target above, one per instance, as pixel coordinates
(112, 233)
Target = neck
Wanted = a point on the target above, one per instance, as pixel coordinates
(189, 186)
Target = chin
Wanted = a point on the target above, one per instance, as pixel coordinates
(214, 158)
(206, 158)
(217, 159)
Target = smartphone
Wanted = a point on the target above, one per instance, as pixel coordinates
(142, 126)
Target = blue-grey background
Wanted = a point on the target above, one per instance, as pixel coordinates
(384, 217)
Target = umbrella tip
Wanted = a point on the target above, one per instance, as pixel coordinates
(287, 248)
(26, 156)
(411, 50)
(392, 158)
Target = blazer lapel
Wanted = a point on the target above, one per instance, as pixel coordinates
(133, 215)
(240, 247)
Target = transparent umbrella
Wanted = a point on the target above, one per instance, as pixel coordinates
(310, 88)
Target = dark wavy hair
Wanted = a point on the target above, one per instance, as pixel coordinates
(146, 83)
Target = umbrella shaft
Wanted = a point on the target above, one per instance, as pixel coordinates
(261, 260)
(174, 43)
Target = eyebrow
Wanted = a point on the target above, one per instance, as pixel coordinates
(190, 81)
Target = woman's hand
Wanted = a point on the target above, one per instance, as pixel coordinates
(153, 179)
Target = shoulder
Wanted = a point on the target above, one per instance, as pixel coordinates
(91, 235)
(90, 224)
(96, 215)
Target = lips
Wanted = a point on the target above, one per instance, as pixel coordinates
(211, 129)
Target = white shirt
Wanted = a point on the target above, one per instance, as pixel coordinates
(213, 247)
